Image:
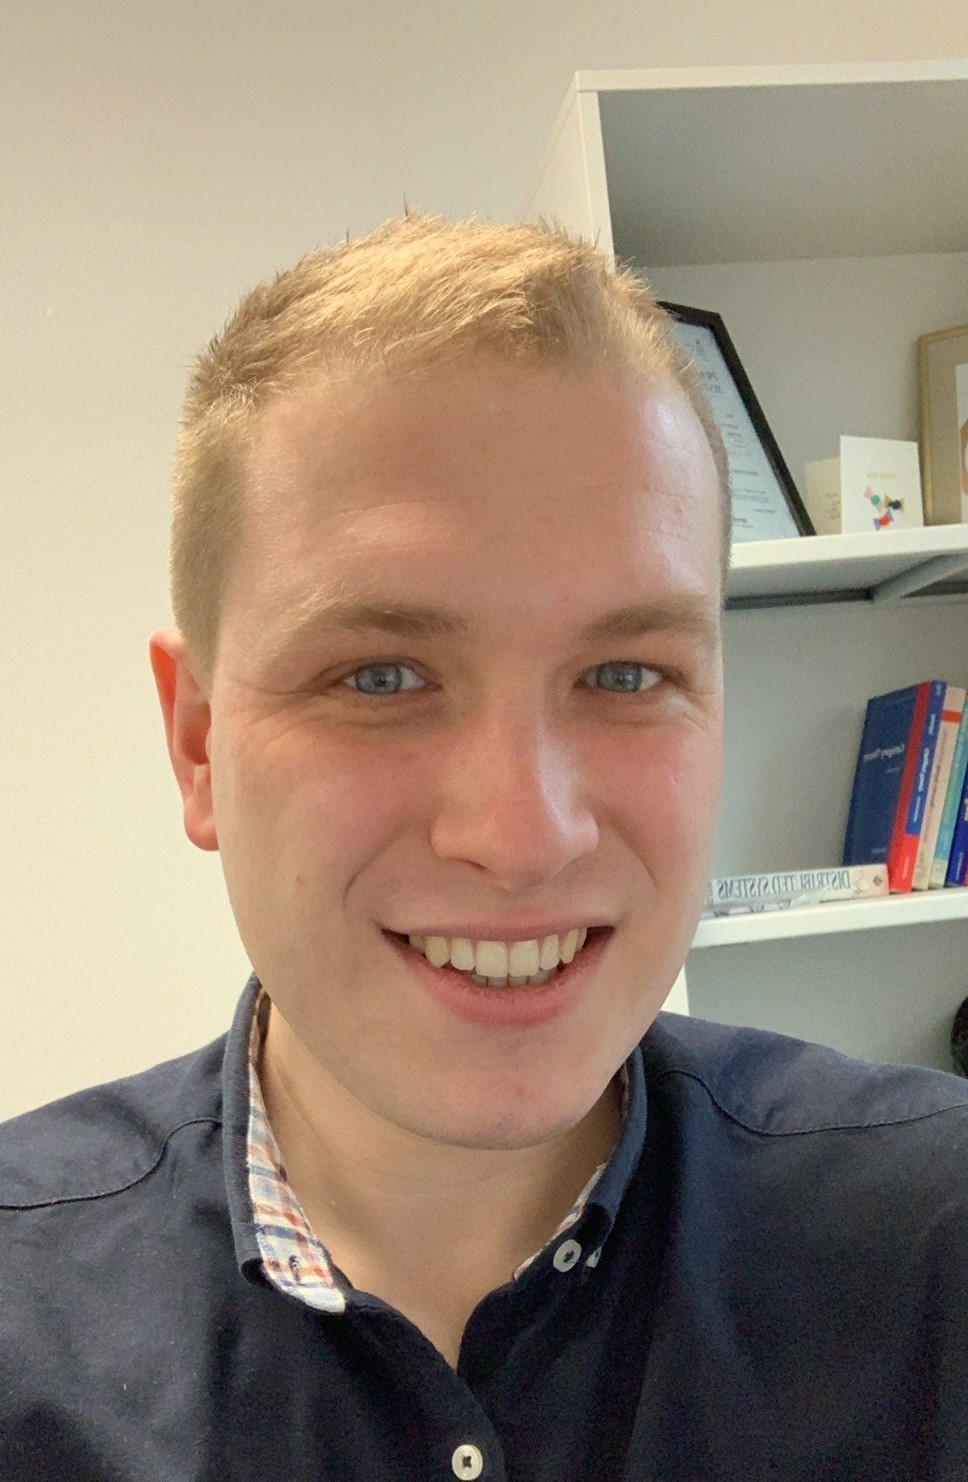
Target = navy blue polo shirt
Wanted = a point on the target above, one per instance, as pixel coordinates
(767, 1281)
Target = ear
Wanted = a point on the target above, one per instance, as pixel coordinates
(188, 722)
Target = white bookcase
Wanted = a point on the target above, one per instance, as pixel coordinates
(822, 212)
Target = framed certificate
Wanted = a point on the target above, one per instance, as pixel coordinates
(766, 504)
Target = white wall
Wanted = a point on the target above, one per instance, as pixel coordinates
(155, 162)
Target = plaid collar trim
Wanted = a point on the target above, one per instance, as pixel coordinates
(293, 1258)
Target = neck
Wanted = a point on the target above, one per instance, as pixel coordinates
(402, 1214)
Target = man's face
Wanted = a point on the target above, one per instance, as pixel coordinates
(495, 776)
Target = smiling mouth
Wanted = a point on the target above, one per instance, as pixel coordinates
(594, 935)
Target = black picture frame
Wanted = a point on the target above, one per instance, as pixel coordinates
(711, 321)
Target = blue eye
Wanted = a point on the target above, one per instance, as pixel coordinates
(625, 675)
(385, 684)
(628, 684)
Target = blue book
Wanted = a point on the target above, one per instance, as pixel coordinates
(956, 784)
(958, 863)
(891, 779)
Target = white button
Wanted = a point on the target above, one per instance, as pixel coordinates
(566, 1255)
(467, 1461)
(595, 1257)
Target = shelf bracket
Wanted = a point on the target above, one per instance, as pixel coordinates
(939, 568)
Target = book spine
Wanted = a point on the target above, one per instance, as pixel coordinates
(958, 863)
(888, 722)
(733, 894)
(850, 847)
(952, 709)
(909, 817)
(949, 815)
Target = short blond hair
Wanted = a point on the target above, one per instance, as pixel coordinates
(417, 294)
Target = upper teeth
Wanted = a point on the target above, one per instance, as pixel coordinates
(501, 959)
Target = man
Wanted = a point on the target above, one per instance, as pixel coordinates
(452, 1197)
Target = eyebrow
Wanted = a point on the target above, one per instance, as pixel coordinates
(694, 616)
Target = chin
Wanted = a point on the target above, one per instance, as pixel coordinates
(494, 1125)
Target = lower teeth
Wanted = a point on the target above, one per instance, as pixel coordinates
(534, 980)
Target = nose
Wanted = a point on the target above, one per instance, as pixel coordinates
(512, 800)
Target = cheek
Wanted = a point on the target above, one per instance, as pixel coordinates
(303, 808)
(338, 809)
(675, 794)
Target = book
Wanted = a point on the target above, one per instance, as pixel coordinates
(957, 873)
(952, 710)
(949, 815)
(731, 895)
(909, 821)
(891, 779)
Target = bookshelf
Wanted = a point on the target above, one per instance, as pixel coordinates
(919, 907)
(813, 208)
(878, 567)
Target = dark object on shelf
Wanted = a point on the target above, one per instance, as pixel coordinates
(959, 1040)
(758, 507)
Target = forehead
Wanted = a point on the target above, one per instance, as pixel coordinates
(525, 476)
(471, 425)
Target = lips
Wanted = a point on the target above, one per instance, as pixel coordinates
(528, 1006)
(523, 932)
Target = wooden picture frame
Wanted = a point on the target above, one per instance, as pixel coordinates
(943, 387)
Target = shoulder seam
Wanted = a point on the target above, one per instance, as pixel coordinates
(801, 1131)
(104, 1193)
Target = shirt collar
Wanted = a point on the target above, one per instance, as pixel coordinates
(235, 1133)
(274, 1243)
